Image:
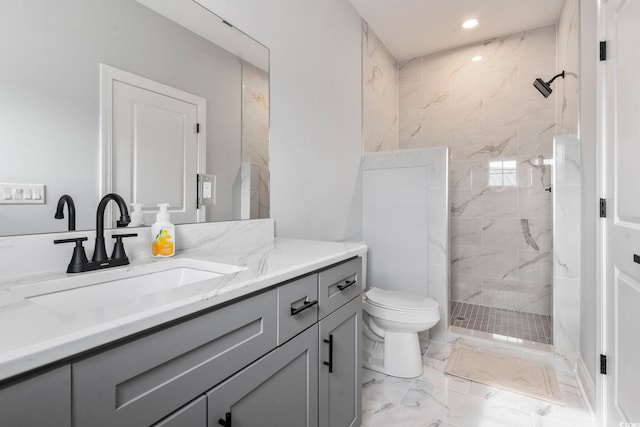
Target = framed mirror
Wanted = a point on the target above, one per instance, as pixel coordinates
(137, 97)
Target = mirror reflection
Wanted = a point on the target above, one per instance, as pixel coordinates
(164, 105)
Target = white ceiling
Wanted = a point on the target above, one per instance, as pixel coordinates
(410, 28)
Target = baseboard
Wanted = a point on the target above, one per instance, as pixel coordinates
(587, 388)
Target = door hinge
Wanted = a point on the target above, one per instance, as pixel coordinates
(603, 51)
(603, 364)
(197, 127)
(603, 208)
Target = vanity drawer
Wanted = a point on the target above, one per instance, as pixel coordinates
(141, 382)
(338, 285)
(297, 307)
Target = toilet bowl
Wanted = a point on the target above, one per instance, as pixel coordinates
(393, 319)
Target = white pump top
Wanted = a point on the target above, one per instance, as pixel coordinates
(163, 215)
(137, 216)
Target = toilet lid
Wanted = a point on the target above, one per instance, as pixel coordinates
(400, 300)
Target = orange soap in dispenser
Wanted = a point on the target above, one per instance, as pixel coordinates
(163, 232)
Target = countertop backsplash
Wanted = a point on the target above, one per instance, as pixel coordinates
(36, 253)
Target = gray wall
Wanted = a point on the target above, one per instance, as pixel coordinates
(49, 105)
(315, 132)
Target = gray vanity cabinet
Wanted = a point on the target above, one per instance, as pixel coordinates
(286, 357)
(192, 415)
(340, 367)
(281, 389)
(44, 400)
(138, 383)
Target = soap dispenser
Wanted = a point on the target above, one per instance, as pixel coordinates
(163, 234)
(137, 216)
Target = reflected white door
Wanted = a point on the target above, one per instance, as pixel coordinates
(622, 225)
(154, 149)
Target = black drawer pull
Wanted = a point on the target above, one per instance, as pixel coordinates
(227, 420)
(347, 283)
(636, 258)
(330, 362)
(306, 305)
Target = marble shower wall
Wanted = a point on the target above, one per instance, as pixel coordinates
(569, 61)
(379, 94)
(255, 133)
(566, 254)
(499, 130)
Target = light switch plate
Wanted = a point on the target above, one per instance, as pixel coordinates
(22, 194)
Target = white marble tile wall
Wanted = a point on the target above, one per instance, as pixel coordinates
(36, 253)
(255, 130)
(379, 94)
(569, 61)
(250, 184)
(499, 130)
(566, 256)
(438, 262)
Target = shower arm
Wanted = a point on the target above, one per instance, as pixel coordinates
(555, 77)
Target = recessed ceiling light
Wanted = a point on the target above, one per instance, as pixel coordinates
(470, 23)
(477, 58)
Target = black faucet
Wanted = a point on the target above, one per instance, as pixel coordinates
(100, 252)
(71, 208)
(79, 262)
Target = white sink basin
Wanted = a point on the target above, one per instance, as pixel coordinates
(104, 288)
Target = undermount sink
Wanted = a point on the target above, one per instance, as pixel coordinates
(107, 287)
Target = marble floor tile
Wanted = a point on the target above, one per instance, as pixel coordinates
(436, 399)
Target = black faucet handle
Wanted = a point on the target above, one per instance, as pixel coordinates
(79, 259)
(77, 240)
(118, 248)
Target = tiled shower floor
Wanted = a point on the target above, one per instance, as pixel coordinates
(515, 324)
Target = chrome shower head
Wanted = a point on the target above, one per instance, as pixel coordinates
(545, 87)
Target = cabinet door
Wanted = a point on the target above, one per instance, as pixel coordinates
(192, 415)
(340, 367)
(44, 400)
(278, 390)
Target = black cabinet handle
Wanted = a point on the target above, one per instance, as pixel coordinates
(307, 304)
(347, 283)
(636, 258)
(227, 420)
(330, 362)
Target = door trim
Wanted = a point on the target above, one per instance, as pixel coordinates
(109, 75)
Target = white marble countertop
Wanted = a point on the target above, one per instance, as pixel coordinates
(33, 335)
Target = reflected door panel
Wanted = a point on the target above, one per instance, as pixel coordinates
(155, 151)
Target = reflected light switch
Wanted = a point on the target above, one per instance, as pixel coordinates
(22, 194)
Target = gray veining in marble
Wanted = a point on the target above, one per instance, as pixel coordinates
(379, 95)
(439, 399)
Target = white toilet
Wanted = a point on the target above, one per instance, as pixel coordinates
(393, 319)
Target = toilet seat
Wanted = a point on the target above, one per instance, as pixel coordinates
(401, 301)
